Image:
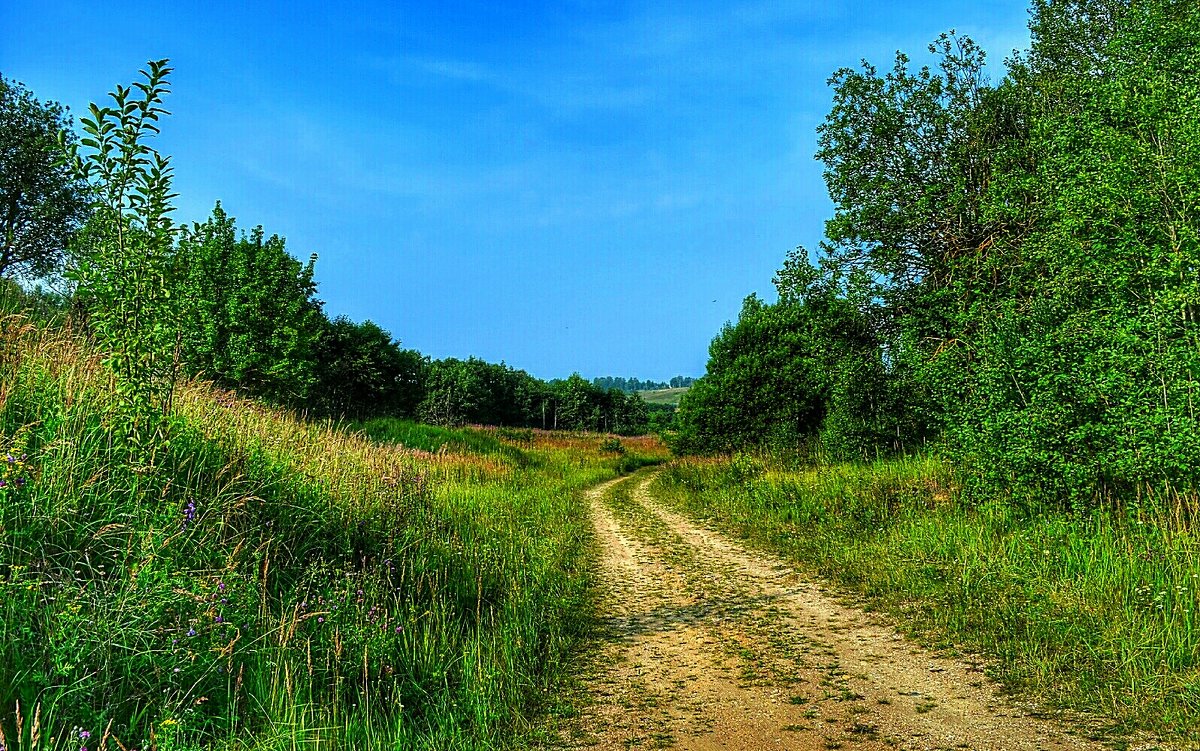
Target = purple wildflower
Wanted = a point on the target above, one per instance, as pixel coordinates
(189, 514)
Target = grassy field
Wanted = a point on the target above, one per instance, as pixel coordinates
(663, 396)
(1094, 612)
(276, 584)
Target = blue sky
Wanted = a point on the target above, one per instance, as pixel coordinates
(571, 186)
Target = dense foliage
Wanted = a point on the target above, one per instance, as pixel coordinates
(1013, 268)
(361, 371)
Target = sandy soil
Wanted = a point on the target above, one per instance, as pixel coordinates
(713, 646)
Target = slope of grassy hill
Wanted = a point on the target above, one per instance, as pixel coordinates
(663, 396)
(272, 583)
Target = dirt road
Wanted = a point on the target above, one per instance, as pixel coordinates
(713, 646)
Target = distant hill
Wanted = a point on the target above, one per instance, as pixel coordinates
(663, 396)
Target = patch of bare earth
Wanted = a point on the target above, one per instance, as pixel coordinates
(713, 646)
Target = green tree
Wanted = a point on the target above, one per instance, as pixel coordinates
(123, 263)
(251, 315)
(535, 399)
(454, 392)
(925, 170)
(901, 169)
(575, 404)
(362, 372)
(631, 416)
(660, 418)
(764, 383)
(809, 366)
(42, 201)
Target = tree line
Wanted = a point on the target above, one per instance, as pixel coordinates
(1012, 271)
(214, 301)
(633, 385)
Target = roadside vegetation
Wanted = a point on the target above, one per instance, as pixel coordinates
(975, 406)
(1093, 612)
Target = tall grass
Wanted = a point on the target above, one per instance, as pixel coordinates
(434, 438)
(274, 583)
(1093, 611)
